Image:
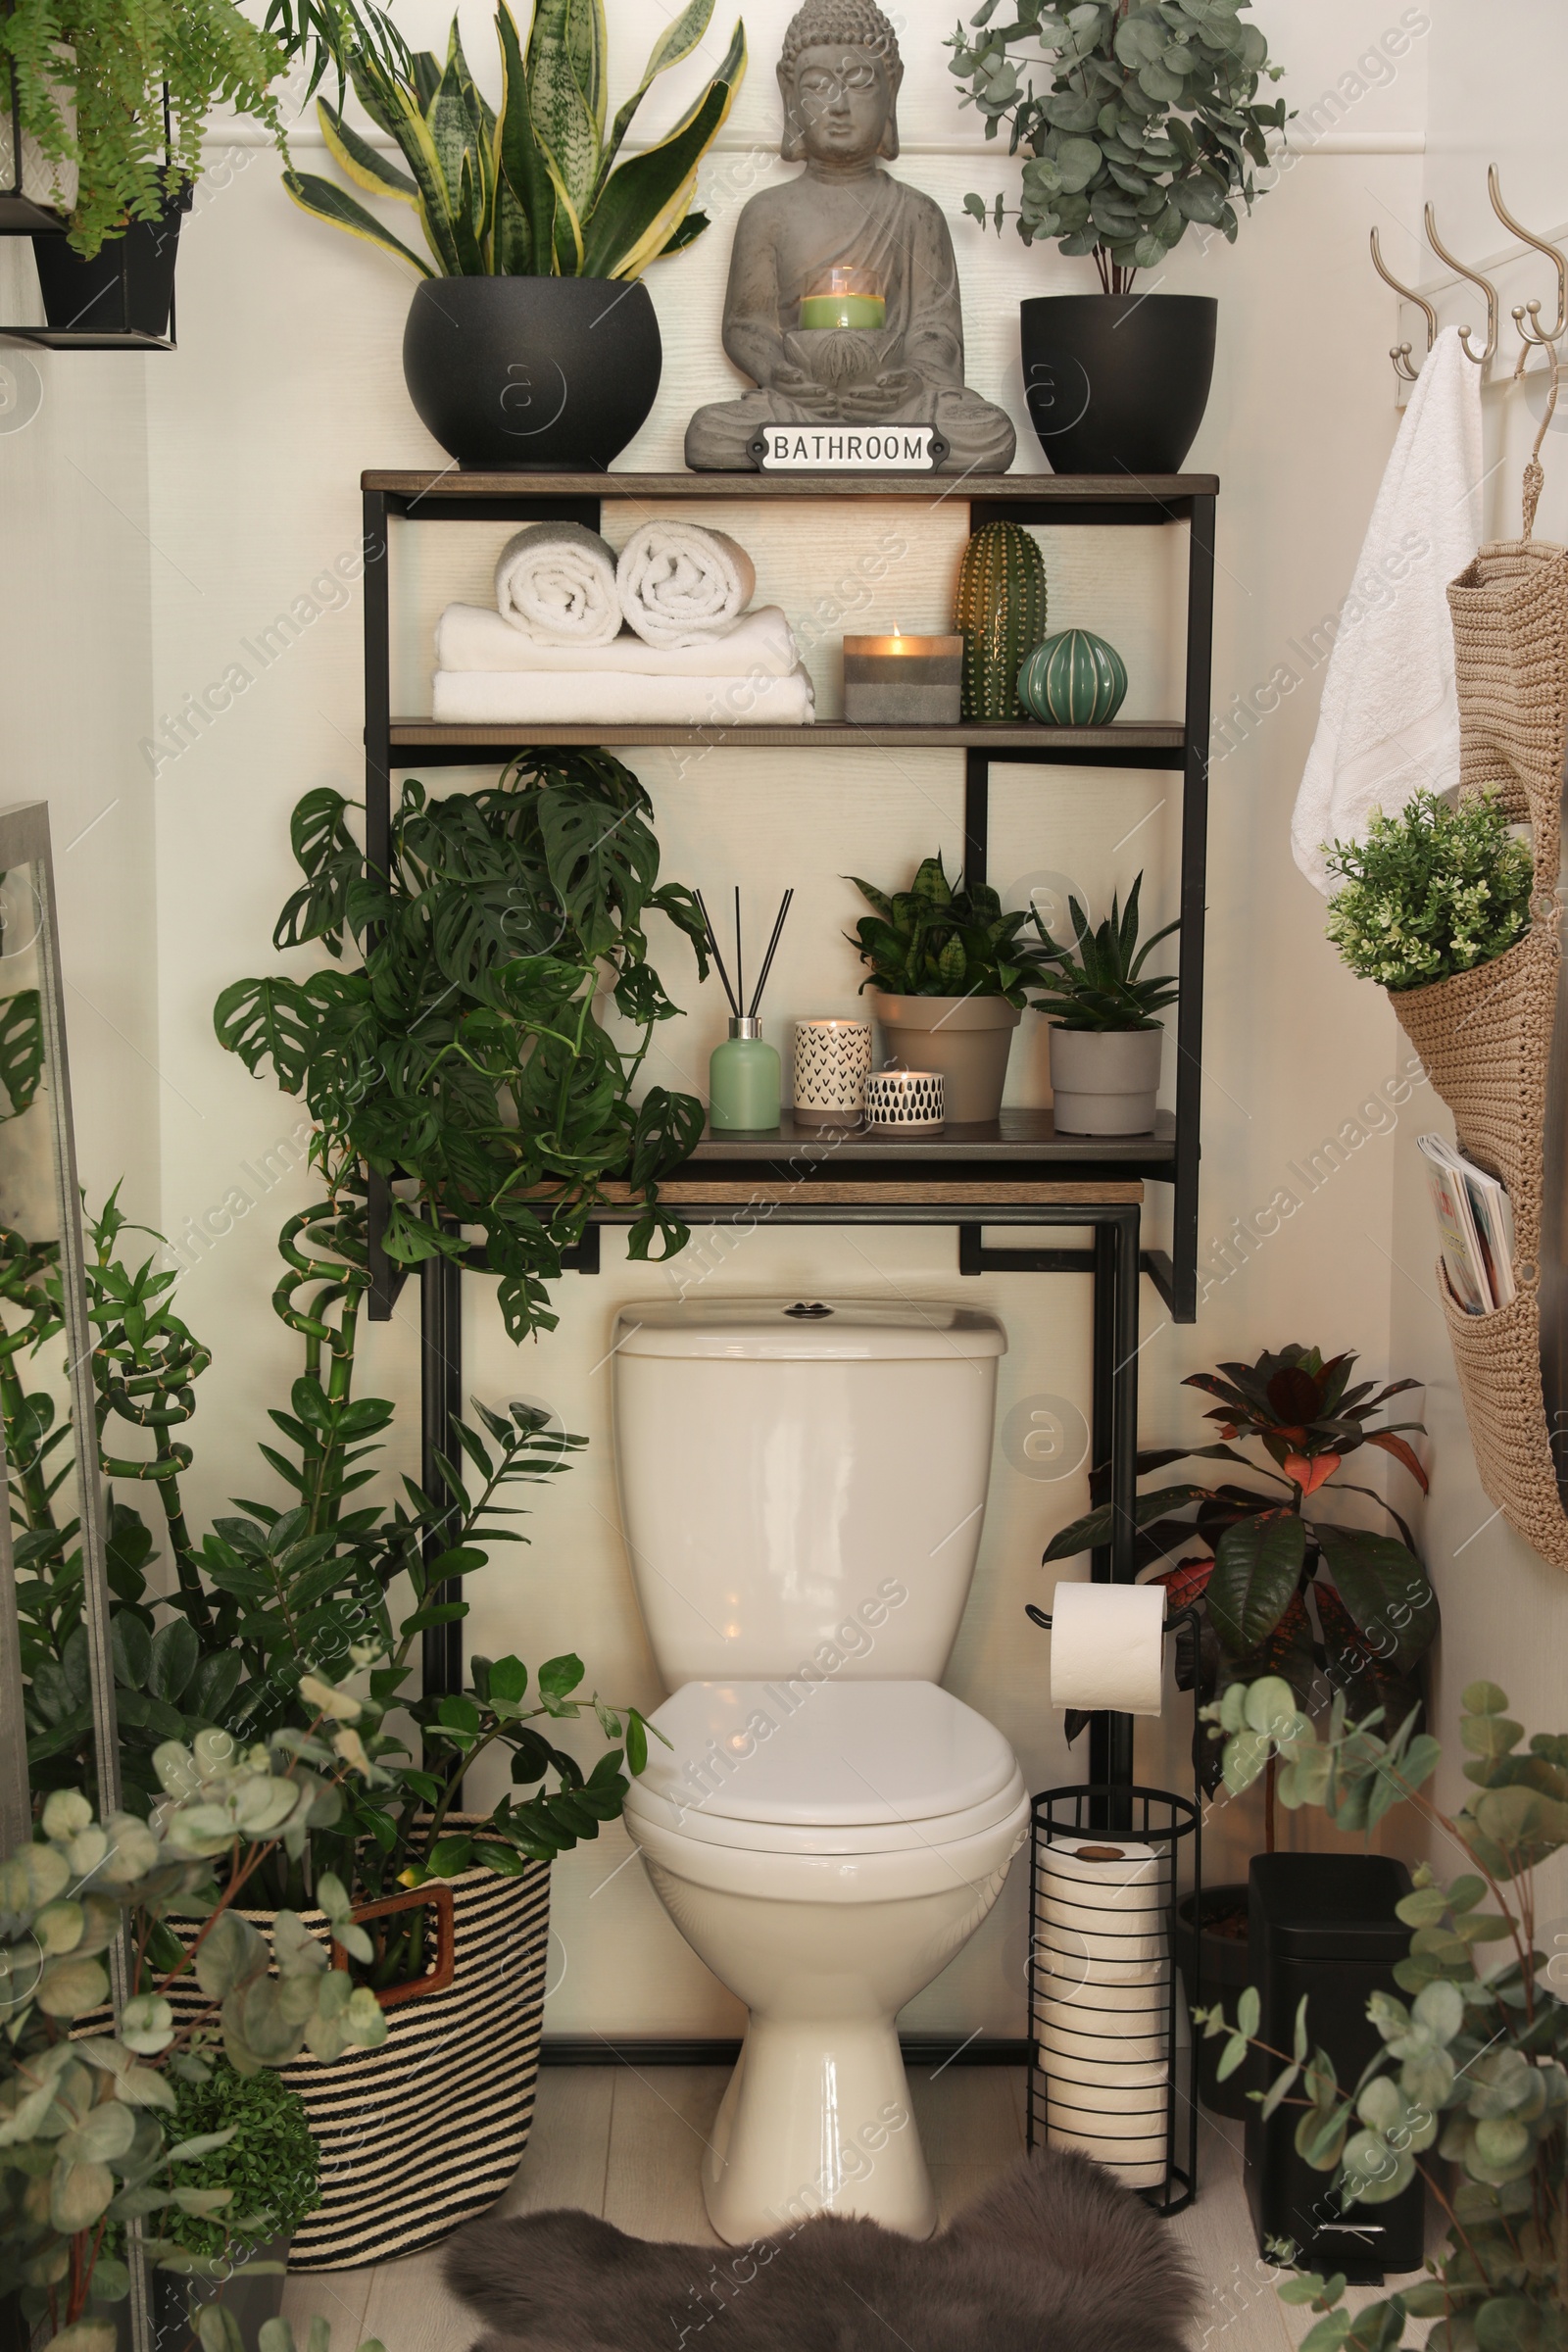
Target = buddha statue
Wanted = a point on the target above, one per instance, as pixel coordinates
(844, 221)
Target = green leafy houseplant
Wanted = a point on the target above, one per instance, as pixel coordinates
(1431, 892)
(267, 1593)
(91, 79)
(943, 939)
(466, 1052)
(1472, 2071)
(1136, 121)
(1105, 989)
(84, 2146)
(1264, 1552)
(538, 191)
(260, 2150)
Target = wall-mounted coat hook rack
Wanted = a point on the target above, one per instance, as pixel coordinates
(1526, 316)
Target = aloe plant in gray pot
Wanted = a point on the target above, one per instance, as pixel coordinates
(950, 973)
(1106, 1038)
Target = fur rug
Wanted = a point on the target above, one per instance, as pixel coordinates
(1059, 2257)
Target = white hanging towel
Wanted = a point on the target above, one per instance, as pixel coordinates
(1388, 726)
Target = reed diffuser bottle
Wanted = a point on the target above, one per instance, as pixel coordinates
(745, 1082)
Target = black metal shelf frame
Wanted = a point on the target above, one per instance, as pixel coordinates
(1114, 1258)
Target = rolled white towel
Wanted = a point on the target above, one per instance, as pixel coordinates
(555, 584)
(472, 637)
(556, 698)
(682, 585)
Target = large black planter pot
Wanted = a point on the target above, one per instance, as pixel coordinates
(128, 284)
(1118, 383)
(530, 374)
(1225, 1973)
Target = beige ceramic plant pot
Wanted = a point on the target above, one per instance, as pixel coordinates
(1105, 1081)
(966, 1038)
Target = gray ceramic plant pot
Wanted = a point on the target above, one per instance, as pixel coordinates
(966, 1038)
(1105, 1081)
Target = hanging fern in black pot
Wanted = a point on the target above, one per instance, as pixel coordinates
(464, 1059)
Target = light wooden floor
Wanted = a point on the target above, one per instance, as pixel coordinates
(627, 2145)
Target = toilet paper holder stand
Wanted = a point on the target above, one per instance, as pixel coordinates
(1176, 1620)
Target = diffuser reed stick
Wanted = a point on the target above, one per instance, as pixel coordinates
(745, 1087)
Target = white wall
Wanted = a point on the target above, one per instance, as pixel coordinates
(289, 382)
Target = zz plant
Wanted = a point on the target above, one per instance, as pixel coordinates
(1262, 1553)
(537, 191)
(943, 939)
(1472, 2066)
(1138, 119)
(465, 1050)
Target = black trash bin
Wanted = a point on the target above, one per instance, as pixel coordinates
(1324, 1924)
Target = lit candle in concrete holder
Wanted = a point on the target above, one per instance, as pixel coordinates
(903, 681)
(844, 298)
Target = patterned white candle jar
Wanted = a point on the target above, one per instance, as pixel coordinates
(832, 1063)
(904, 1099)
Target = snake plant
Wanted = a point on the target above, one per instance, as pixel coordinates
(533, 191)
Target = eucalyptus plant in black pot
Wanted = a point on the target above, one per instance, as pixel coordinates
(1144, 124)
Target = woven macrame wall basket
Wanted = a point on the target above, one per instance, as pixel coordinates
(1484, 1037)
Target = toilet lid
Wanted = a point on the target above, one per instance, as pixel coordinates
(824, 1766)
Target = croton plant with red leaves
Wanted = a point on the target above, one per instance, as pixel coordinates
(1284, 1589)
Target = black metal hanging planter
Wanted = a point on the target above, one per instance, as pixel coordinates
(120, 300)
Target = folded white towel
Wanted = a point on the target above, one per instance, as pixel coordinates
(1390, 718)
(556, 583)
(471, 637)
(682, 585)
(553, 698)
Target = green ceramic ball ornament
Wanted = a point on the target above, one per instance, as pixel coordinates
(1073, 680)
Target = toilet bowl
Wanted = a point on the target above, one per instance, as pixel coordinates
(803, 1486)
(826, 1877)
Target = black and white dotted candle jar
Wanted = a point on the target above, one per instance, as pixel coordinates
(832, 1063)
(906, 1098)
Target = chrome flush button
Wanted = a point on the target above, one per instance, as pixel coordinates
(809, 1311)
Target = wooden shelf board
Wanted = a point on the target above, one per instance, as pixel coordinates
(1120, 741)
(452, 486)
(1019, 1140)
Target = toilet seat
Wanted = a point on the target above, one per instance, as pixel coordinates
(822, 1769)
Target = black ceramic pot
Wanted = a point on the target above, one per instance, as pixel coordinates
(532, 374)
(1118, 383)
(130, 282)
(1226, 1964)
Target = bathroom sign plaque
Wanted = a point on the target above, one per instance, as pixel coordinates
(848, 449)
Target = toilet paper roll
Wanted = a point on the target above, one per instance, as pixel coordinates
(1137, 2164)
(1069, 2035)
(1107, 1648)
(1104, 2008)
(1099, 1910)
(1111, 2086)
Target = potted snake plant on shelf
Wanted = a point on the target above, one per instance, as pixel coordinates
(1105, 1037)
(949, 970)
(531, 341)
(112, 97)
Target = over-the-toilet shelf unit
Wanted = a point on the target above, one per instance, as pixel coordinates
(1020, 1173)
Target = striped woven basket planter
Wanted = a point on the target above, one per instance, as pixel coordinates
(424, 2132)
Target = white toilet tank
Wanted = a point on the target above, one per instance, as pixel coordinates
(803, 1483)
